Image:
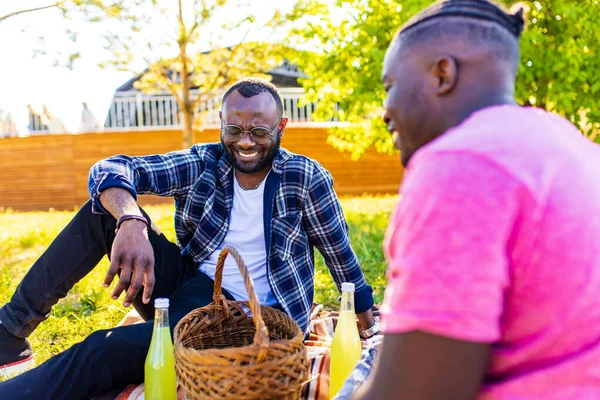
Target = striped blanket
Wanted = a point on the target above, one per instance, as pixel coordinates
(317, 344)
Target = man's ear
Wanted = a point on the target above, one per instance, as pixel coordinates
(445, 70)
(282, 125)
(221, 115)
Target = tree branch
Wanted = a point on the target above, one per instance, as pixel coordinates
(198, 99)
(182, 27)
(224, 73)
(170, 84)
(223, 70)
(15, 13)
(193, 28)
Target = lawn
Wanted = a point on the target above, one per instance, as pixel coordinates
(88, 306)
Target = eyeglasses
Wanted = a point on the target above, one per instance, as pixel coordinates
(258, 134)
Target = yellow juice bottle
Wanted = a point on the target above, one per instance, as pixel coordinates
(345, 347)
(159, 373)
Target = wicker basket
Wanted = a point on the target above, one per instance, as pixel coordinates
(222, 352)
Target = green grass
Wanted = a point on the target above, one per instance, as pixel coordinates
(88, 306)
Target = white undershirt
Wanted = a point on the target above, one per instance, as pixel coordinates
(246, 234)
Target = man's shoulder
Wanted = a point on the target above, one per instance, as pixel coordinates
(507, 132)
(209, 153)
(525, 143)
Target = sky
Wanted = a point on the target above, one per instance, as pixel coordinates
(25, 79)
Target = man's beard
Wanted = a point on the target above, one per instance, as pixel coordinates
(267, 160)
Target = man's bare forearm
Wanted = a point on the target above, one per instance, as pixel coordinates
(118, 202)
(132, 256)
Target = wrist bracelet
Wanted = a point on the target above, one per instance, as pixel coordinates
(128, 217)
(372, 331)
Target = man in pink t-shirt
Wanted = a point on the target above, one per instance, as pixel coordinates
(494, 248)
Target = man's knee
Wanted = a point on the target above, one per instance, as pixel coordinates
(85, 212)
(129, 342)
(87, 206)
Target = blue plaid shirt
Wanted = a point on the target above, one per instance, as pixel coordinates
(301, 210)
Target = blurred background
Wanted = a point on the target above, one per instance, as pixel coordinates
(81, 80)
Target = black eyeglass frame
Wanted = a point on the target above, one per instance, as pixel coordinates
(255, 138)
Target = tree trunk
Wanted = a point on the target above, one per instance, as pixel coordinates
(187, 110)
(188, 133)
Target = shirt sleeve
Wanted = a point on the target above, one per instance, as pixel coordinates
(447, 247)
(168, 174)
(326, 227)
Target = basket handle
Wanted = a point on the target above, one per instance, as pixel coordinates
(261, 337)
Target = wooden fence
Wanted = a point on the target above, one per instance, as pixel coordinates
(51, 171)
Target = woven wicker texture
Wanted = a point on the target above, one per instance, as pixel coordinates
(239, 350)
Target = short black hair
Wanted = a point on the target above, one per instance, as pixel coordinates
(250, 87)
(482, 10)
(477, 21)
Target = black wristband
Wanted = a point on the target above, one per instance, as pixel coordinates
(128, 217)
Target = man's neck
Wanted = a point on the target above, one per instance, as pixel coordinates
(479, 103)
(251, 181)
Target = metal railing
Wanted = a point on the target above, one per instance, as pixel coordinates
(136, 110)
(36, 126)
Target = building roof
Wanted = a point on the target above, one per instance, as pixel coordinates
(284, 75)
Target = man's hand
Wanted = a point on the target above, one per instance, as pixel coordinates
(133, 253)
(365, 320)
(131, 249)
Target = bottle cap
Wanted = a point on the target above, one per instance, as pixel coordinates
(347, 287)
(161, 303)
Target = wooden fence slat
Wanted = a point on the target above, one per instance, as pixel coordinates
(45, 171)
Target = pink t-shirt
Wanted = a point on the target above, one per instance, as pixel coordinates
(496, 239)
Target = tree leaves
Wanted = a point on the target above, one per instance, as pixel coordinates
(347, 46)
(341, 48)
(187, 27)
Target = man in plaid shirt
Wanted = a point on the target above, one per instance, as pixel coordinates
(271, 205)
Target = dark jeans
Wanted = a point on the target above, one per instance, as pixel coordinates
(107, 359)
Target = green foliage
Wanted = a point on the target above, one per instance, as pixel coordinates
(341, 50)
(341, 47)
(367, 219)
(88, 306)
(560, 61)
(193, 44)
(211, 72)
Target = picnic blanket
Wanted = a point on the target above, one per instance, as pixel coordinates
(317, 342)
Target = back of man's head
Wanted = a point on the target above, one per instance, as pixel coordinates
(479, 24)
(451, 59)
(482, 10)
